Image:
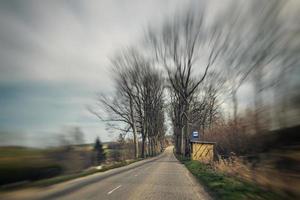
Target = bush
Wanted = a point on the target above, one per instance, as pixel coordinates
(116, 155)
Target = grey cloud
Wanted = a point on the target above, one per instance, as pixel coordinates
(54, 58)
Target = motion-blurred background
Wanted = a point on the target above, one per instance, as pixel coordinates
(75, 75)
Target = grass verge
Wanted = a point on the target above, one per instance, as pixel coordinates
(224, 187)
(59, 179)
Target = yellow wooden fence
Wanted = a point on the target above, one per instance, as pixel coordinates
(202, 151)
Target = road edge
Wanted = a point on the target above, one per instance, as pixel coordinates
(201, 190)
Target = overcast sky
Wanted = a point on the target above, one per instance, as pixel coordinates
(55, 57)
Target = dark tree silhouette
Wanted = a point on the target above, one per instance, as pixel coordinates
(100, 154)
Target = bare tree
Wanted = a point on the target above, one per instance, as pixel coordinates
(148, 97)
(138, 101)
(177, 47)
(120, 108)
(77, 135)
(256, 41)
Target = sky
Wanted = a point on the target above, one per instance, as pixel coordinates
(54, 59)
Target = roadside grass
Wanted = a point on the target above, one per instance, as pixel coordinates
(59, 179)
(63, 178)
(224, 187)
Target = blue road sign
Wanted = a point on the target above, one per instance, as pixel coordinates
(195, 135)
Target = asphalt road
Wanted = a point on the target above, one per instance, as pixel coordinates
(162, 177)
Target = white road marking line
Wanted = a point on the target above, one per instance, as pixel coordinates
(114, 190)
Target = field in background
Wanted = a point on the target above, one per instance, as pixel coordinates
(20, 165)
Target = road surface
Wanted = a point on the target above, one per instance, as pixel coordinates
(162, 177)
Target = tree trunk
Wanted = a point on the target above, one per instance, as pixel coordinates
(235, 107)
(186, 139)
(186, 132)
(258, 121)
(182, 142)
(149, 147)
(143, 147)
(135, 140)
